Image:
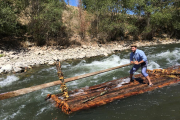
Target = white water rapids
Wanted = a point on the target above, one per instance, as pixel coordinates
(32, 106)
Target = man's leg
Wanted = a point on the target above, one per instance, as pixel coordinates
(143, 70)
(133, 70)
(131, 75)
(150, 83)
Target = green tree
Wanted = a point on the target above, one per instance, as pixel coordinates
(111, 17)
(8, 18)
(9, 13)
(46, 20)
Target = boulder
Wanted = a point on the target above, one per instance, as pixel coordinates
(29, 44)
(20, 64)
(105, 54)
(1, 51)
(40, 52)
(82, 55)
(102, 49)
(17, 69)
(55, 58)
(84, 46)
(1, 71)
(7, 68)
(164, 35)
(51, 63)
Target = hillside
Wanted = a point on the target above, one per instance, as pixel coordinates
(54, 23)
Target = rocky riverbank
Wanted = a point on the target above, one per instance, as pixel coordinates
(23, 59)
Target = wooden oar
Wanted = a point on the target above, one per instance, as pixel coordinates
(50, 84)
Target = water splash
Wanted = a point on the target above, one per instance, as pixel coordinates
(8, 80)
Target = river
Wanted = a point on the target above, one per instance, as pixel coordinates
(159, 104)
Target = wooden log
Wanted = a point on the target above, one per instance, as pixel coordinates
(86, 98)
(50, 84)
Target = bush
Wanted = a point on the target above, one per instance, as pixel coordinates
(46, 21)
(8, 19)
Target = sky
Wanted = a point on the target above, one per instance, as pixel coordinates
(73, 2)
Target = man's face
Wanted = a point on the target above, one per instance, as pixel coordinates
(133, 49)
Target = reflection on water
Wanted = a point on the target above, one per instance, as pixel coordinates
(159, 104)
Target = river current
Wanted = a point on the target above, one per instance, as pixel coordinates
(159, 104)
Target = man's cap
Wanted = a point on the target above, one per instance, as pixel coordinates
(133, 45)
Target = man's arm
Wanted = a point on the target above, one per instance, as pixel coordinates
(132, 62)
(131, 59)
(141, 62)
(143, 56)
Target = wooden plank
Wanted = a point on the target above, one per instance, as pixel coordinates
(139, 86)
(50, 84)
(104, 93)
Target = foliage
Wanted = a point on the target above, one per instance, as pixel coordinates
(150, 16)
(9, 12)
(1, 55)
(8, 19)
(111, 19)
(46, 20)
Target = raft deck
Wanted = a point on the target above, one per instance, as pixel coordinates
(104, 93)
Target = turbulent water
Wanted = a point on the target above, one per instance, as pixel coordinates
(159, 104)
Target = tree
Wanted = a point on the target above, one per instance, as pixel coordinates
(46, 20)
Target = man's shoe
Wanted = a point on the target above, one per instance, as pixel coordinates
(131, 80)
(150, 85)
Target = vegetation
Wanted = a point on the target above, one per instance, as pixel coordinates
(8, 17)
(112, 19)
(1, 55)
(135, 17)
(46, 21)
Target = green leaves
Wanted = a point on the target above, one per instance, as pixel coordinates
(46, 20)
(150, 15)
(8, 19)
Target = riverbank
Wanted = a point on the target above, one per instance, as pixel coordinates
(15, 61)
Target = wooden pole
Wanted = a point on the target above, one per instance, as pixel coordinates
(50, 84)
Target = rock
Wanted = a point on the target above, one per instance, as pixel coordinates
(82, 55)
(105, 54)
(7, 68)
(28, 44)
(12, 56)
(1, 71)
(16, 57)
(55, 58)
(155, 38)
(99, 45)
(51, 63)
(164, 35)
(84, 46)
(17, 69)
(94, 48)
(39, 52)
(1, 51)
(20, 64)
(120, 46)
(102, 49)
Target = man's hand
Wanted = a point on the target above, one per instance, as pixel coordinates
(136, 62)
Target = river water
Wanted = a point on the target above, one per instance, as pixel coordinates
(159, 104)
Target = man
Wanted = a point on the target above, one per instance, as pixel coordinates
(139, 59)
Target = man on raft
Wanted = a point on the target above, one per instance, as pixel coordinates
(139, 59)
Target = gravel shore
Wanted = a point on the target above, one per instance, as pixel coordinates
(23, 59)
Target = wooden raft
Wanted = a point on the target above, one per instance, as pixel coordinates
(104, 93)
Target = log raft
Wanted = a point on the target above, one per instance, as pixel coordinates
(104, 93)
